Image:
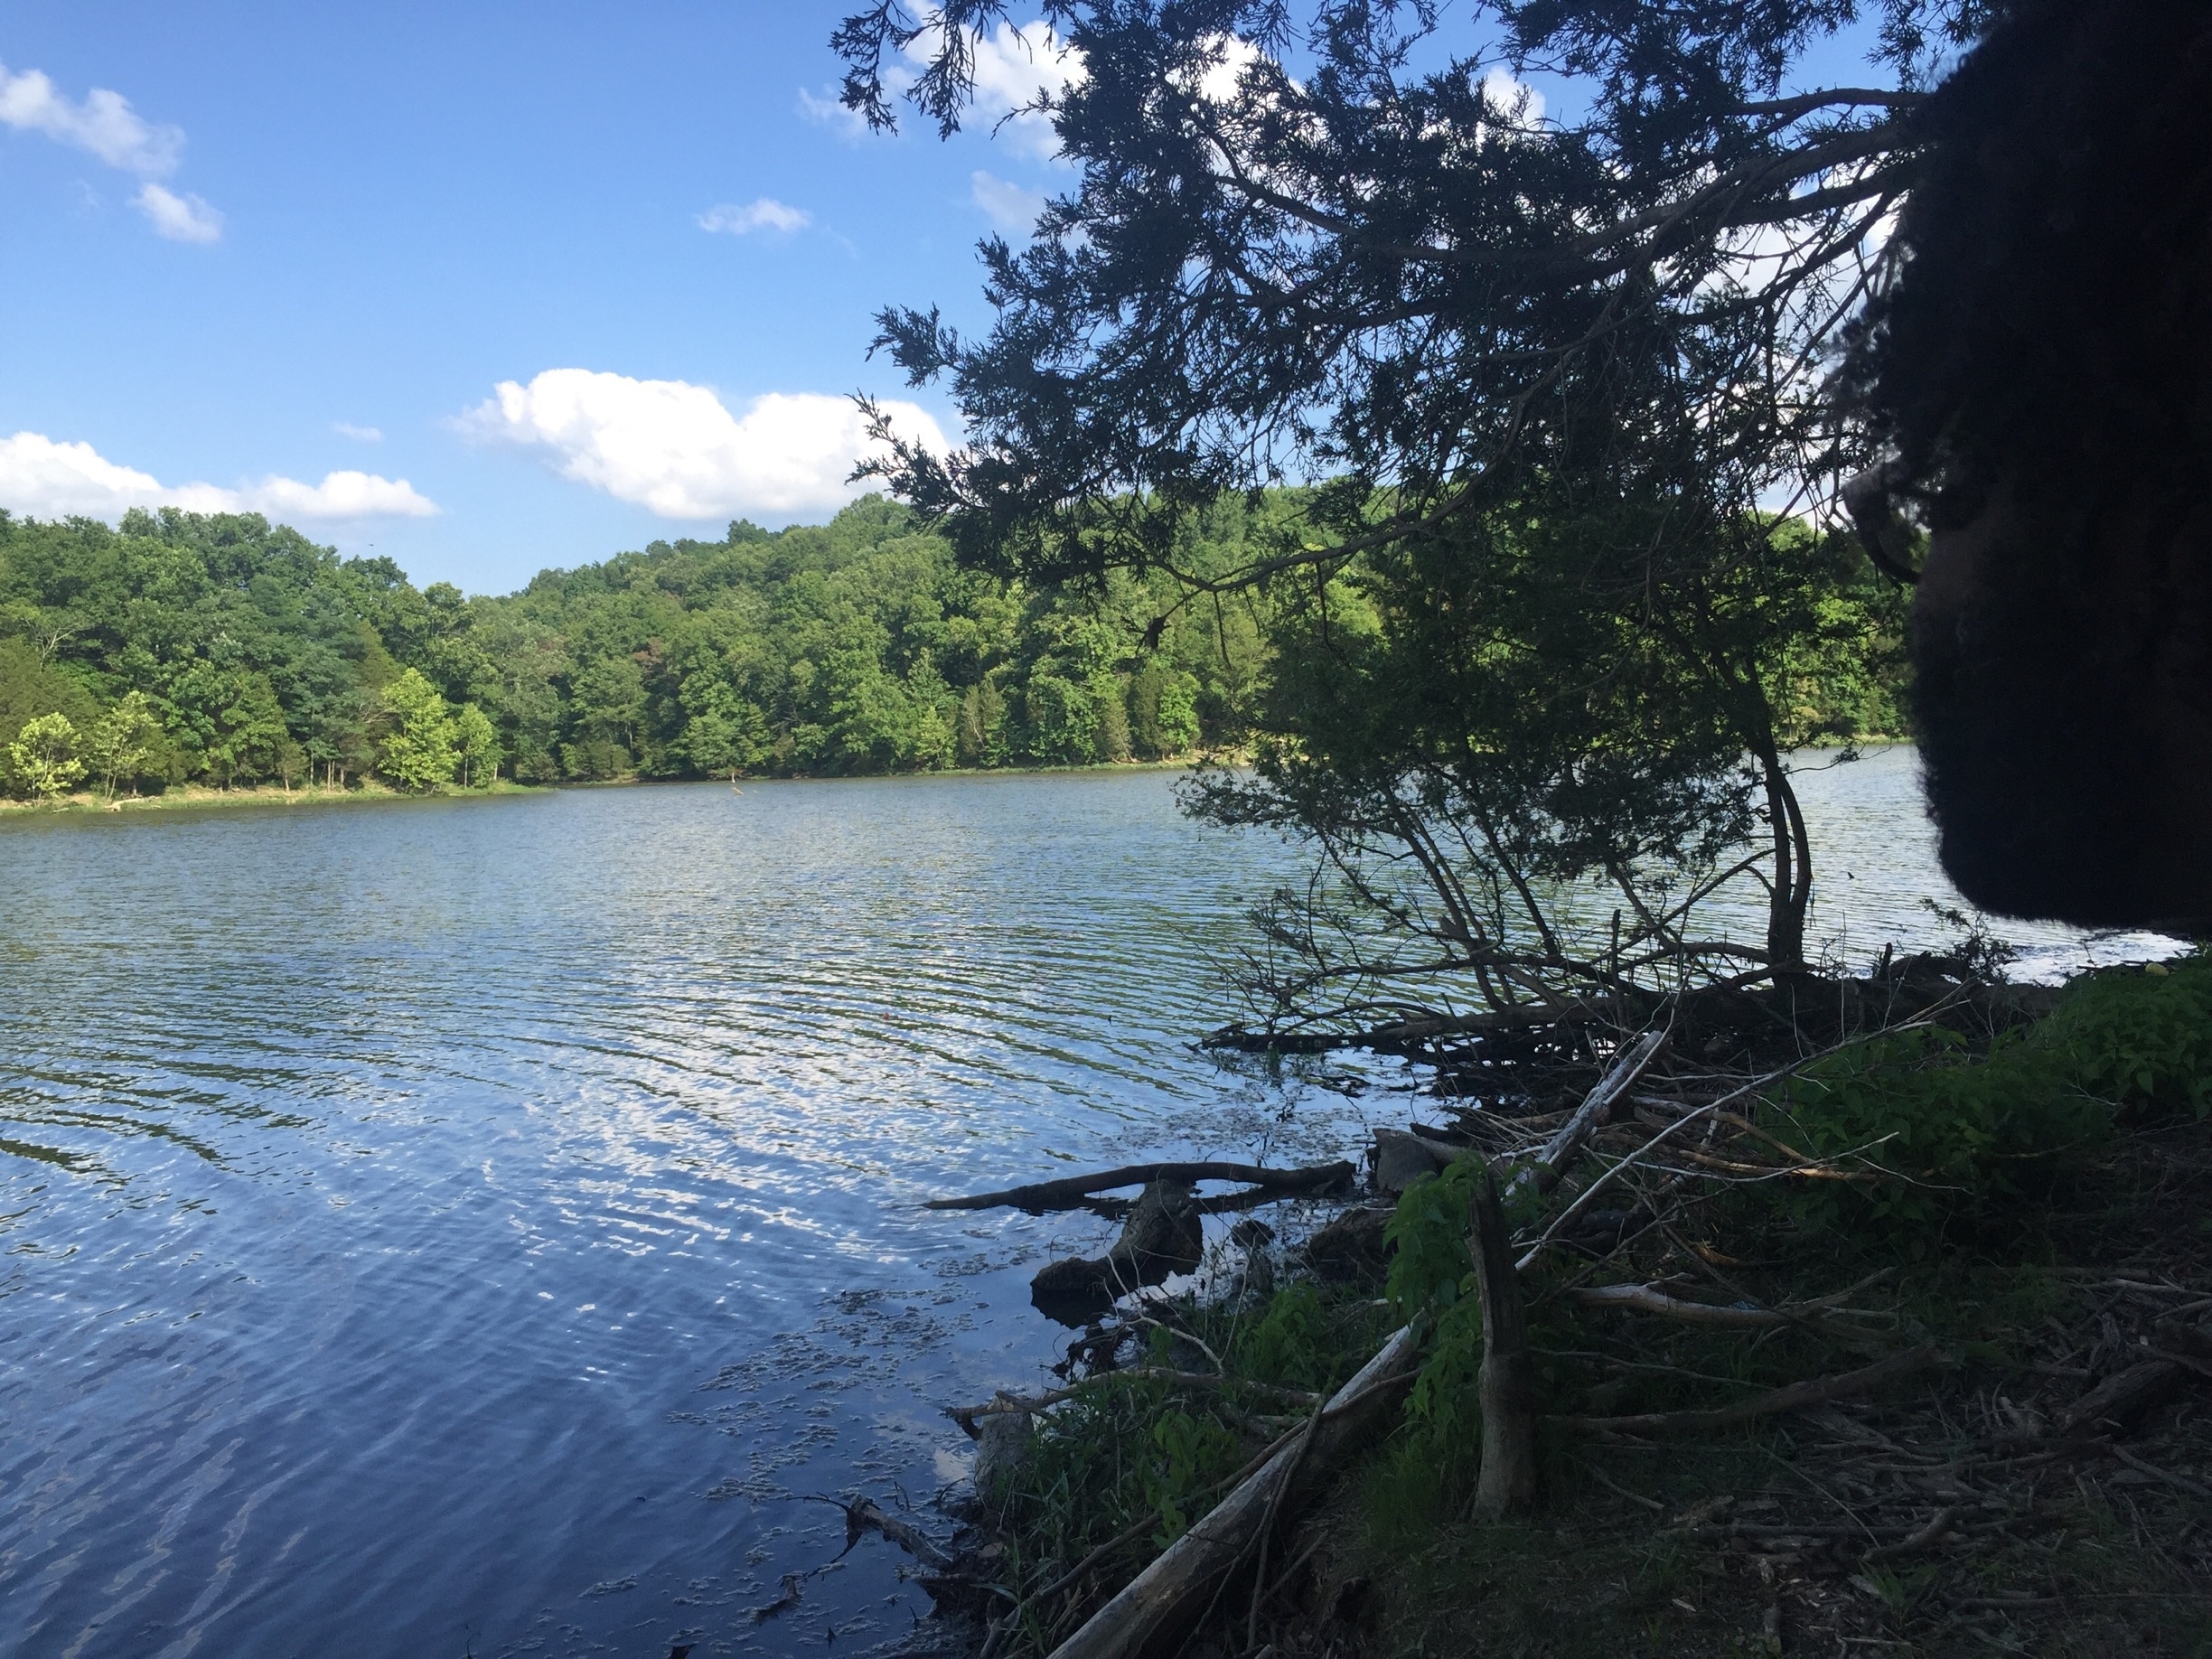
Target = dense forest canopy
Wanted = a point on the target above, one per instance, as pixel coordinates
(219, 650)
(182, 647)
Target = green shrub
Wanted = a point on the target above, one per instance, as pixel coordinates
(1944, 1130)
(1294, 1344)
(1951, 1130)
(1196, 1453)
(1432, 1272)
(1427, 1232)
(2138, 1037)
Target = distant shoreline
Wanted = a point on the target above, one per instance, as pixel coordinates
(191, 795)
(200, 795)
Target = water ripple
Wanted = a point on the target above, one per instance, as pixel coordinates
(465, 1226)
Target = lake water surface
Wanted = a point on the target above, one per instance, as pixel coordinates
(474, 1227)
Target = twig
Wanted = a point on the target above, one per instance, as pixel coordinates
(866, 1515)
(1790, 1399)
(1701, 1114)
(1644, 1298)
(1938, 1525)
(1267, 1528)
(2192, 1487)
(1611, 1484)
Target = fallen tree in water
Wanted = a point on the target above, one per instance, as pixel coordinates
(1072, 1192)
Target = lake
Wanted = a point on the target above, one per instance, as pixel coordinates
(477, 1227)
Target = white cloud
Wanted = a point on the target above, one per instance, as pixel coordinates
(765, 213)
(673, 448)
(104, 124)
(1008, 206)
(359, 435)
(1013, 68)
(180, 218)
(42, 479)
(830, 113)
(346, 494)
(1219, 83)
(1504, 94)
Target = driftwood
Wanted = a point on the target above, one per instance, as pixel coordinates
(1650, 1299)
(1070, 1192)
(1596, 1107)
(1160, 1595)
(1506, 1484)
(1795, 1397)
(1644, 1298)
(2121, 1398)
(1028, 1405)
(868, 1516)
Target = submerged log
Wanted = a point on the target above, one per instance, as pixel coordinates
(1165, 1595)
(1070, 1192)
(865, 1516)
(1164, 1235)
(1400, 1159)
(1401, 1033)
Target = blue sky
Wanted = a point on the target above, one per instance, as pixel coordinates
(487, 288)
(312, 218)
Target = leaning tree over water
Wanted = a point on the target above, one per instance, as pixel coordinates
(1563, 370)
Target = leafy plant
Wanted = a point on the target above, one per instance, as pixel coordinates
(1941, 1128)
(2140, 1037)
(1428, 1233)
(1432, 1272)
(1196, 1453)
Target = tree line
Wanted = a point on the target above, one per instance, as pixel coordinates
(183, 648)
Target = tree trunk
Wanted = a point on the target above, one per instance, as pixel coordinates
(1507, 1483)
(1792, 893)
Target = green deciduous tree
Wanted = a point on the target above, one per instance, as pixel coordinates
(44, 756)
(420, 751)
(725, 734)
(476, 744)
(122, 742)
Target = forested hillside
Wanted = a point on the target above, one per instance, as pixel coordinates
(221, 649)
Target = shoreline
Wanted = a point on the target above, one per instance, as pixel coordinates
(200, 795)
(1647, 1518)
(187, 796)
